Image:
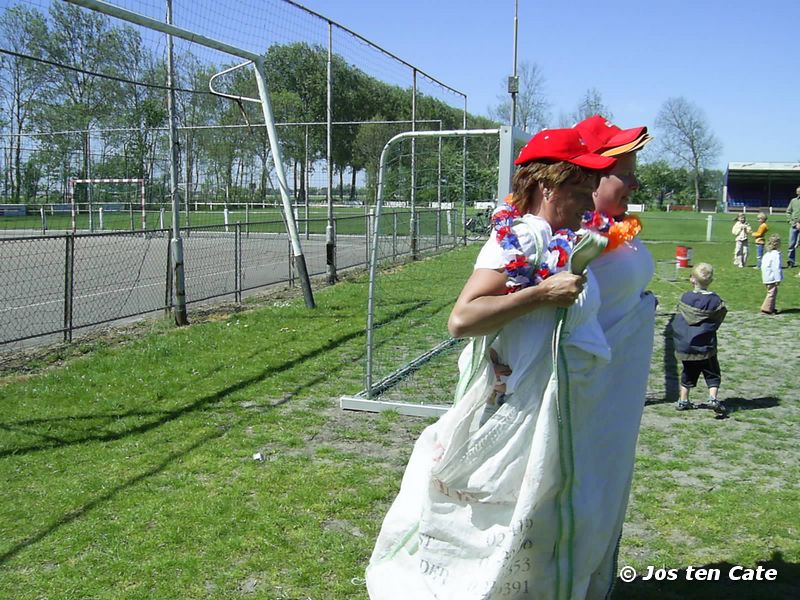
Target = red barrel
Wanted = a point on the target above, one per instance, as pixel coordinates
(683, 256)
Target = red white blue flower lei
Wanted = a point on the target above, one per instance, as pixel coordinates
(520, 272)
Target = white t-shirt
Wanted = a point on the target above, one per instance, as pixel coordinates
(526, 337)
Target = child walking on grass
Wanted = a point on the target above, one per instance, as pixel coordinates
(771, 274)
(698, 317)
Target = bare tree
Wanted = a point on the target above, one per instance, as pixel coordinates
(590, 104)
(686, 137)
(533, 109)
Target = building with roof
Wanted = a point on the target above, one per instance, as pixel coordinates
(754, 186)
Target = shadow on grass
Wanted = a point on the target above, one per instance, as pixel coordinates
(77, 513)
(785, 586)
(736, 403)
(54, 442)
(671, 379)
(111, 493)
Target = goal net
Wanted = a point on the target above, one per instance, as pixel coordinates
(410, 361)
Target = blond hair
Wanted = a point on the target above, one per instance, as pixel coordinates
(761, 215)
(528, 176)
(703, 275)
(774, 242)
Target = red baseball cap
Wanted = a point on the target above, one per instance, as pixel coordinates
(562, 145)
(605, 138)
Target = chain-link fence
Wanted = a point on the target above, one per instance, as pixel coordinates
(54, 286)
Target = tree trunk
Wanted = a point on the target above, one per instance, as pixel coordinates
(352, 184)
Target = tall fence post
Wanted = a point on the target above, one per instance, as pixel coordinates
(168, 281)
(237, 262)
(394, 235)
(438, 226)
(330, 239)
(367, 233)
(291, 266)
(44, 220)
(69, 274)
(709, 226)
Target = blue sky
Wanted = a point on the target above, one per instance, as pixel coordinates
(737, 60)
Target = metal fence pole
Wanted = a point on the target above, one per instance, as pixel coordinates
(368, 232)
(330, 239)
(394, 235)
(69, 274)
(44, 220)
(413, 225)
(168, 281)
(438, 227)
(181, 316)
(237, 262)
(291, 266)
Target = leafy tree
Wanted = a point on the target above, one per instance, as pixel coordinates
(23, 82)
(687, 138)
(86, 40)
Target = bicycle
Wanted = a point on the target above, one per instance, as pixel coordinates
(479, 226)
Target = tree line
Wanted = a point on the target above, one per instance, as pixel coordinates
(112, 98)
(677, 170)
(115, 88)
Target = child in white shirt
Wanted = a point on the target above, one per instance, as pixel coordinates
(771, 274)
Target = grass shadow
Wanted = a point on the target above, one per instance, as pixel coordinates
(77, 513)
(737, 403)
(199, 404)
(785, 586)
(671, 378)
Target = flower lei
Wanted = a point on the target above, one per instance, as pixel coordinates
(618, 230)
(520, 272)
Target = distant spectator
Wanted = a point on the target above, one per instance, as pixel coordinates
(741, 233)
(699, 315)
(793, 214)
(760, 235)
(771, 274)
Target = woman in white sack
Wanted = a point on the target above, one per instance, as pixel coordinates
(502, 497)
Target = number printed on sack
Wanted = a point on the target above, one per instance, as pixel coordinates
(433, 570)
(522, 525)
(520, 565)
(514, 587)
(495, 539)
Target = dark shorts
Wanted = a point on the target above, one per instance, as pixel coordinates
(709, 367)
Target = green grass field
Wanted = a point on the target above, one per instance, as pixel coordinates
(349, 221)
(128, 467)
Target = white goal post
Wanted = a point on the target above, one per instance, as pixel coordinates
(365, 400)
(72, 182)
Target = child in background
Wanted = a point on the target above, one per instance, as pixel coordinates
(741, 232)
(760, 235)
(698, 317)
(771, 274)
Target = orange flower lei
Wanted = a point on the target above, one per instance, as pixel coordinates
(623, 231)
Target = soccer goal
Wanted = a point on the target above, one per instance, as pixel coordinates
(74, 208)
(406, 336)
